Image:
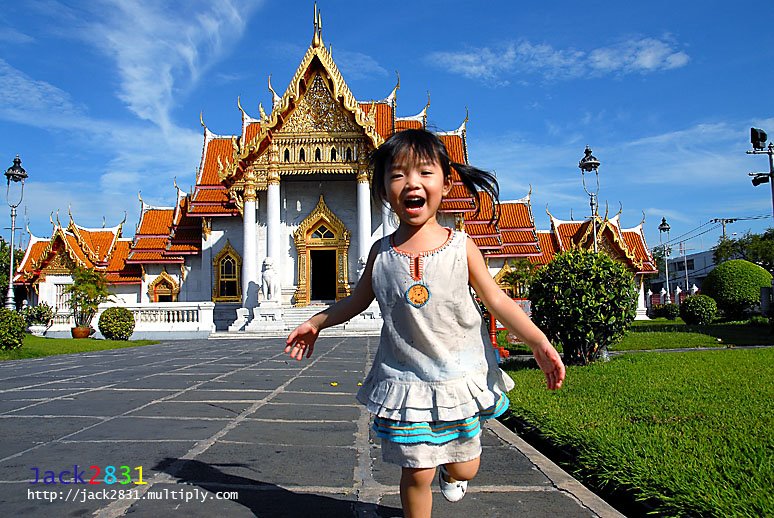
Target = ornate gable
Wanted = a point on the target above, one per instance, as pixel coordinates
(317, 101)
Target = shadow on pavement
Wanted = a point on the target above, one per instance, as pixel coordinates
(265, 499)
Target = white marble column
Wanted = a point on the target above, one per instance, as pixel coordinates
(388, 220)
(249, 251)
(273, 222)
(363, 216)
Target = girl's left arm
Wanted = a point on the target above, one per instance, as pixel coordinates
(509, 313)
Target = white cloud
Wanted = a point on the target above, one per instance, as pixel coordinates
(162, 48)
(645, 55)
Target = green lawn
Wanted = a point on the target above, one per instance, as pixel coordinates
(673, 334)
(689, 432)
(37, 347)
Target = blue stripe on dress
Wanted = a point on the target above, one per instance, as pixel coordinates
(437, 432)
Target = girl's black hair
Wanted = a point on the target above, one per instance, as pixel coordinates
(425, 145)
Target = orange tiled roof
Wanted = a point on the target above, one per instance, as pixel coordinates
(34, 250)
(404, 124)
(384, 117)
(155, 222)
(516, 215)
(219, 147)
(635, 242)
(455, 147)
(118, 271)
(251, 131)
(548, 248)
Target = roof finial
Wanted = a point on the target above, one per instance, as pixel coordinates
(620, 209)
(104, 222)
(275, 99)
(467, 116)
(642, 222)
(122, 222)
(607, 209)
(58, 223)
(239, 105)
(317, 36)
(51, 219)
(201, 119)
(262, 112)
(571, 216)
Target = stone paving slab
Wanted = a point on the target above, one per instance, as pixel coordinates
(232, 428)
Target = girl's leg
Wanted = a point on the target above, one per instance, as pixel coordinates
(463, 470)
(415, 494)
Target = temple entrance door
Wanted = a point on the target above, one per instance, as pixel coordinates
(322, 273)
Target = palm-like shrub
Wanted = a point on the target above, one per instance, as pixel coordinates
(736, 286)
(87, 292)
(37, 315)
(698, 309)
(584, 302)
(116, 323)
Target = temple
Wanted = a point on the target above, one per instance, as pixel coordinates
(280, 216)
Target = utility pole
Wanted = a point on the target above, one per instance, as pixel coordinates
(724, 221)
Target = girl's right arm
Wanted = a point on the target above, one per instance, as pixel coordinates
(301, 340)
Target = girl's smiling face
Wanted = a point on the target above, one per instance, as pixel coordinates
(415, 187)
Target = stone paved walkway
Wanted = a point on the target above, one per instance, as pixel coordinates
(205, 417)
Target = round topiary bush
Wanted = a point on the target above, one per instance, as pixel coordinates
(698, 309)
(584, 302)
(116, 323)
(11, 329)
(670, 311)
(736, 286)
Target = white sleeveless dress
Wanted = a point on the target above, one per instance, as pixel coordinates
(435, 363)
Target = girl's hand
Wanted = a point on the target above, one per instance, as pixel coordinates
(551, 364)
(302, 340)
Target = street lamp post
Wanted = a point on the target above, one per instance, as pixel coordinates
(588, 164)
(664, 227)
(15, 175)
(758, 139)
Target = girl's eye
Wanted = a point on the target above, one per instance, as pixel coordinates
(427, 173)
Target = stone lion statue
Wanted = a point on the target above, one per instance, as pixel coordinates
(270, 288)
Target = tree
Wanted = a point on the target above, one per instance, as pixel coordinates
(756, 248)
(88, 290)
(584, 302)
(520, 277)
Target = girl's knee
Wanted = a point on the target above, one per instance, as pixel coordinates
(463, 470)
(418, 476)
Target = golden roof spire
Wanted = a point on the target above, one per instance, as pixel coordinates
(317, 37)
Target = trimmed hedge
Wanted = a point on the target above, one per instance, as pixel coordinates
(698, 309)
(11, 329)
(116, 323)
(736, 286)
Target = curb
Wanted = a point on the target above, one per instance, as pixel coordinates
(560, 478)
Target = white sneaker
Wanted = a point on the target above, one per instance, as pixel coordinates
(451, 491)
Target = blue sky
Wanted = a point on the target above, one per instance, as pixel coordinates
(102, 98)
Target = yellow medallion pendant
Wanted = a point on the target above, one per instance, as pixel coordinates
(418, 294)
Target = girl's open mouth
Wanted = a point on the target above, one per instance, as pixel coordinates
(414, 202)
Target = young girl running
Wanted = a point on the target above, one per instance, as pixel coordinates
(435, 375)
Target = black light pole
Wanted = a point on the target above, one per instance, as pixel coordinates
(16, 175)
(664, 227)
(758, 139)
(588, 164)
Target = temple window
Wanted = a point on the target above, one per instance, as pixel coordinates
(301, 156)
(227, 265)
(348, 155)
(287, 155)
(317, 155)
(333, 154)
(163, 289)
(323, 232)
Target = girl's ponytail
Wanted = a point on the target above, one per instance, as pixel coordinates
(476, 180)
